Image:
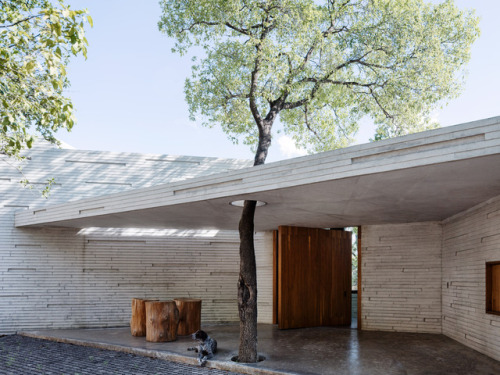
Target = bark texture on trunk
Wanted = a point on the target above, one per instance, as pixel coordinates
(247, 287)
(247, 283)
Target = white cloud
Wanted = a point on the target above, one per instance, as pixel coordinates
(288, 148)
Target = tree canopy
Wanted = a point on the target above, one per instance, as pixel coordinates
(37, 37)
(323, 65)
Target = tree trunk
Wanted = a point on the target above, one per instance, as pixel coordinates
(189, 315)
(247, 283)
(161, 321)
(247, 287)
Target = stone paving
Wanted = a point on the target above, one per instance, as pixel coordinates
(24, 356)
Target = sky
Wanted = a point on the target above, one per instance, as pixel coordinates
(129, 93)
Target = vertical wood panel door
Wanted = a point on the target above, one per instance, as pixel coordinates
(314, 277)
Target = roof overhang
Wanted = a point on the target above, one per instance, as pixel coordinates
(428, 176)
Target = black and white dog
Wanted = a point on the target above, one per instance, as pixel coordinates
(206, 348)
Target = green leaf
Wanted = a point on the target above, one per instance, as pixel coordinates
(57, 28)
(30, 65)
(33, 57)
(29, 141)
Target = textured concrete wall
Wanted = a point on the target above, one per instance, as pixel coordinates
(64, 278)
(70, 278)
(470, 240)
(401, 277)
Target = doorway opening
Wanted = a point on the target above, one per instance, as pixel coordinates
(354, 276)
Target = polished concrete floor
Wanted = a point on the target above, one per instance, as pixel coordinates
(304, 351)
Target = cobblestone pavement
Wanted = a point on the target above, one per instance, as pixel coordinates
(21, 355)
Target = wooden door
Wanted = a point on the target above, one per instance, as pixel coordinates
(314, 277)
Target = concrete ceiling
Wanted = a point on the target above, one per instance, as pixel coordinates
(420, 178)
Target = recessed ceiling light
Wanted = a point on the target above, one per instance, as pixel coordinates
(241, 202)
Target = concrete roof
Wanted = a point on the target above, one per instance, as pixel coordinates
(428, 176)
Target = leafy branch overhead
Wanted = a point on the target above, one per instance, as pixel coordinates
(322, 67)
(36, 40)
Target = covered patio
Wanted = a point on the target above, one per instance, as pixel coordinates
(322, 350)
(428, 206)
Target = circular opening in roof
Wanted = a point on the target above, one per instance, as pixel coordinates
(241, 202)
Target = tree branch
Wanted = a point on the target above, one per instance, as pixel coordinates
(306, 120)
(21, 21)
(387, 114)
(236, 96)
(206, 23)
(346, 136)
(238, 29)
(360, 61)
(255, 75)
(326, 80)
(253, 88)
(227, 24)
(317, 85)
(330, 31)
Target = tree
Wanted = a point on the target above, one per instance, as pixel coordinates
(37, 37)
(320, 66)
(354, 257)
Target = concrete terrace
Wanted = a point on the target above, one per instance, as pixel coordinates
(322, 350)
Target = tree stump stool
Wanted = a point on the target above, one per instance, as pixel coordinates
(189, 315)
(138, 320)
(162, 318)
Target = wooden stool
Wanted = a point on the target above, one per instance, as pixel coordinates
(162, 318)
(189, 315)
(138, 320)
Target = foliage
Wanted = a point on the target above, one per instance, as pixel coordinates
(321, 65)
(354, 257)
(17, 164)
(36, 40)
(46, 189)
